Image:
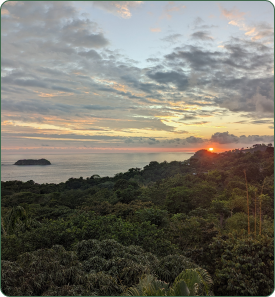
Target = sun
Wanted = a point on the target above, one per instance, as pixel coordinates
(211, 149)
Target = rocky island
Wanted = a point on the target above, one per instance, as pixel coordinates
(32, 162)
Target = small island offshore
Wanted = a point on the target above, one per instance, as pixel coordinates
(32, 162)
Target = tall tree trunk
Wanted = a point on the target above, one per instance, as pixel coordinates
(261, 208)
(255, 212)
(248, 226)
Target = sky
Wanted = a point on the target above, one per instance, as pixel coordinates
(136, 76)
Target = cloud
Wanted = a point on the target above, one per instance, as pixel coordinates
(194, 140)
(224, 138)
(264, 103)
(177, 78)
(197, 123)
(173, 38)
(198, 58)
(252, 139)
(170, 8)
(64, 89)
(91, 54)
(98, 107)
(24, 82)
(261, 31)
(155, 30)
(152, 141)
(202, 35)
(218, 69)
(58, 69)
(233, 14)
(85, 39)
(153, 60)
(188, 118)
(62, 20)
(118, 8)
(262, 122)
(35, 106)
(257, 32)
(4, 11)
(129, 140)
(198, 21)
(11, 3)
(51, 71)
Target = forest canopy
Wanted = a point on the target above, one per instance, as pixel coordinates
(203, 226)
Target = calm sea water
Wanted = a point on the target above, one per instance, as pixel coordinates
(66, 166)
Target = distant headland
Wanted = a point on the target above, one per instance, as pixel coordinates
(32, 162)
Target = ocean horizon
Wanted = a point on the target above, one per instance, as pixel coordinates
(79, 165)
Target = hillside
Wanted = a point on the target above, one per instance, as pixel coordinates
(136, 232)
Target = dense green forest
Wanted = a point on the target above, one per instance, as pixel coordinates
(203, 226)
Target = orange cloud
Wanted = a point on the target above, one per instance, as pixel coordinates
(251, 31)
(261, 34)
(4, 11)
(170, 8)
(155, 30)
(236, 18)
(115, 85)
(120, 8)
(46, 95)
(11, 3)
(233, 14)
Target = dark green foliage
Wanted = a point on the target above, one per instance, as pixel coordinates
(170, 266)
(22, 197)
(53, 272)
(126, 191)
(45, 272)
(142, 229)
(93, 268)
(85, 226)
(246, 266)
(127, 264)
(123, 184)
(48, 212)
(153, 215)
(178, 200)
(191, 231)
(18, 220)
(241, 266)
(127, 195)
(190, 282)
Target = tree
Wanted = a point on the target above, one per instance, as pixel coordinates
(190, 282)
(241, 266)
(220, 207)
(48, 272)
(17, 220)
(155, 216)
(178, 200)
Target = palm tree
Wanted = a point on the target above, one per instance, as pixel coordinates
(17, 219)
(190, 282)
(198, 281)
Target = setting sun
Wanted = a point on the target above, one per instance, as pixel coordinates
(211, 149)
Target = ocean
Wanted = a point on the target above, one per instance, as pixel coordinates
(80, 165)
